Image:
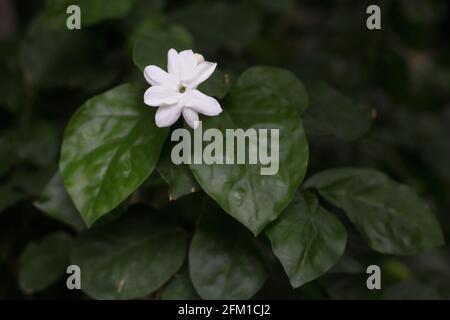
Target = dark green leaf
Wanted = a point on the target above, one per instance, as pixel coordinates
(332, 113)
(44, 262)
(56, 203)
(224, 262)
(130, 258)
(390, 216)
(111, 146)
(307, 239)
(179, 288)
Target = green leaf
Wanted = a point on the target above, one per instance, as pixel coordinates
(8, 198)
(179, 288)
(130, 258)
(307, 239)
(92, 11)
(332, 113)
(111, 145)
(56, 203)
(224, 262)
(43, 263)
(240, 189)
(278, 82)
(179, 177)
(390, 216)
(151, 44)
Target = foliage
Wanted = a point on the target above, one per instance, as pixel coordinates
(86, 176)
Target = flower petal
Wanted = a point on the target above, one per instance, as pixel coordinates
(191, 117)
(157, 76)
(167, 115)
(161, 95)
(172, 63)
(202, 72)
(201, 103)
(187, 62)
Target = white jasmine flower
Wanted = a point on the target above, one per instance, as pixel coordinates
(175, 92)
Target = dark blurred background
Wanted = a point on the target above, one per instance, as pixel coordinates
(401, 73)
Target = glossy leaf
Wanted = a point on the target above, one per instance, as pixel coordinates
(240, 189)
(224, 262)
(307, 239)
(332, 113)
(130, 258)
(390, 216)
(56, 203)
(44, 262)
(111, 146)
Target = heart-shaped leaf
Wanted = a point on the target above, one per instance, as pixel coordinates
(390, 216)
(129, 258)
(241, 189)
(307, 239)
(110, 147)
